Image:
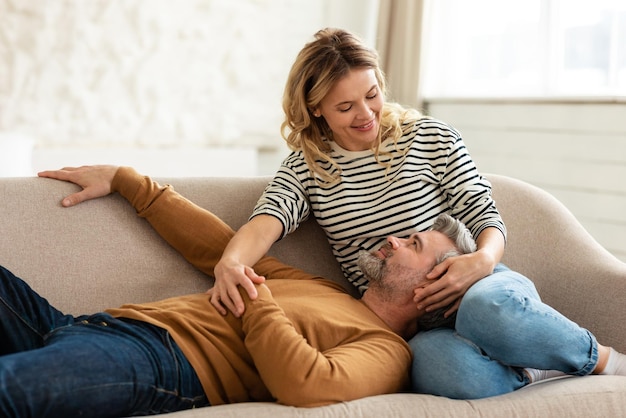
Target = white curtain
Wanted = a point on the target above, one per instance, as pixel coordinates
(399, 40)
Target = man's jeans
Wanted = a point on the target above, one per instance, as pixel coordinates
(501, 327)
(58, 365)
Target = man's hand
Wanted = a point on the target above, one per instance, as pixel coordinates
(451, 279)
(94, 180)
(225, 294)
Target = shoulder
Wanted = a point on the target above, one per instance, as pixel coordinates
(432, 128)
(428, 135)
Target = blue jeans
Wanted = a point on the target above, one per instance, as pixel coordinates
(56, 365)
(501, 327)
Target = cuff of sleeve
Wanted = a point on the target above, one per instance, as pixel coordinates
(262, 303)
(126, 182)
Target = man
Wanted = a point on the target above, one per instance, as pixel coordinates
(302, 341)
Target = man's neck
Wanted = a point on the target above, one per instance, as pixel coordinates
(401, 317)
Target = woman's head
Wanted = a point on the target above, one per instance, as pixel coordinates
(333, 73)
(318, 67)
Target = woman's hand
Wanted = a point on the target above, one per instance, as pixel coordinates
(457, 274)
(246, 248)
(95, 181)
(451, 279)
(225, 292)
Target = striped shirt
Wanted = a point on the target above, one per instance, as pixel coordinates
(431, 173)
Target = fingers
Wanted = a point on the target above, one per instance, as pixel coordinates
(436, 295)
(79, 197)
(441, 304)
(439, 269)
(214, 299)
(231, 302)
(453, 308)
(255, 278)
(72, 200)
(94, 180)
(226, 297)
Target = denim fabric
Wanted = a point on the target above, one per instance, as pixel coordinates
(56, 365)
(501, 327)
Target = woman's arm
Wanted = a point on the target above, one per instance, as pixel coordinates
(469, 198)
(250, 243)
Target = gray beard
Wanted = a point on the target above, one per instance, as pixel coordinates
(371, 266)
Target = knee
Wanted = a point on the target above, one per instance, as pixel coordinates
(497, 294)
(445, 364)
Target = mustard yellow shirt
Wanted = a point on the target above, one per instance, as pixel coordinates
(303, 342)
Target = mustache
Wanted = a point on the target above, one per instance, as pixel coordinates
(386, 248)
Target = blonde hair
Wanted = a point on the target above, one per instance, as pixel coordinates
(318, 66)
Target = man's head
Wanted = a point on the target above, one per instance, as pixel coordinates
(401, 264)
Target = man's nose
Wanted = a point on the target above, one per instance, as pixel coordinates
(395, 242)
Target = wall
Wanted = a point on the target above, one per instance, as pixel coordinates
(574, 150)
(100, 76)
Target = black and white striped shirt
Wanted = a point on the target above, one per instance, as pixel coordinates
(434, 175)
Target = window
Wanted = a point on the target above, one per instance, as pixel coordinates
(525, 48)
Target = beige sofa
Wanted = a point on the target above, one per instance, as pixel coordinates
(99, 254)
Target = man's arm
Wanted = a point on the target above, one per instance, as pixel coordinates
(196, 233)
(298, 374)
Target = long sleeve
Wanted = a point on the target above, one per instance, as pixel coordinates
(193, 231)
(468, 193)
(330, 358)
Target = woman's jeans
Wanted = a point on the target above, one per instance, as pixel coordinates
(501, 327)
(58, 365)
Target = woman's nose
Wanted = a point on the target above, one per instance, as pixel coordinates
(364, 111)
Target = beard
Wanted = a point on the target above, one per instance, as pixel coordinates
(390, 281)
(371, 266)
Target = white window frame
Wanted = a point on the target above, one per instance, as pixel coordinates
(449, 24)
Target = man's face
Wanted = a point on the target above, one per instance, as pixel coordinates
(405, 260)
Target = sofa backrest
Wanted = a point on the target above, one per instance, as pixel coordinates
(99, 254)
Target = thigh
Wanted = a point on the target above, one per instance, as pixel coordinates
(504, 315)
(446, 364)
(94, 370)
(25, 317)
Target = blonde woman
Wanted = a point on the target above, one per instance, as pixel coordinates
(365, 169)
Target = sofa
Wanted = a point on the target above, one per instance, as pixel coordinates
(100, 254)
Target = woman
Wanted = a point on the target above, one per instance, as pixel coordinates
(365, 169)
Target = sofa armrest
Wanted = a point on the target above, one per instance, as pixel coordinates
(571, 270)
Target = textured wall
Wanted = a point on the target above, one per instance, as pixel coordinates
(148, 72)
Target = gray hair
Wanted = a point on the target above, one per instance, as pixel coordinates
(457, 232)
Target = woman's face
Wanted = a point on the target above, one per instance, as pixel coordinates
(352, 110)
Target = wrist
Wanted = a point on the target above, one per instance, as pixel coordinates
(253, 305)
(487, 260)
